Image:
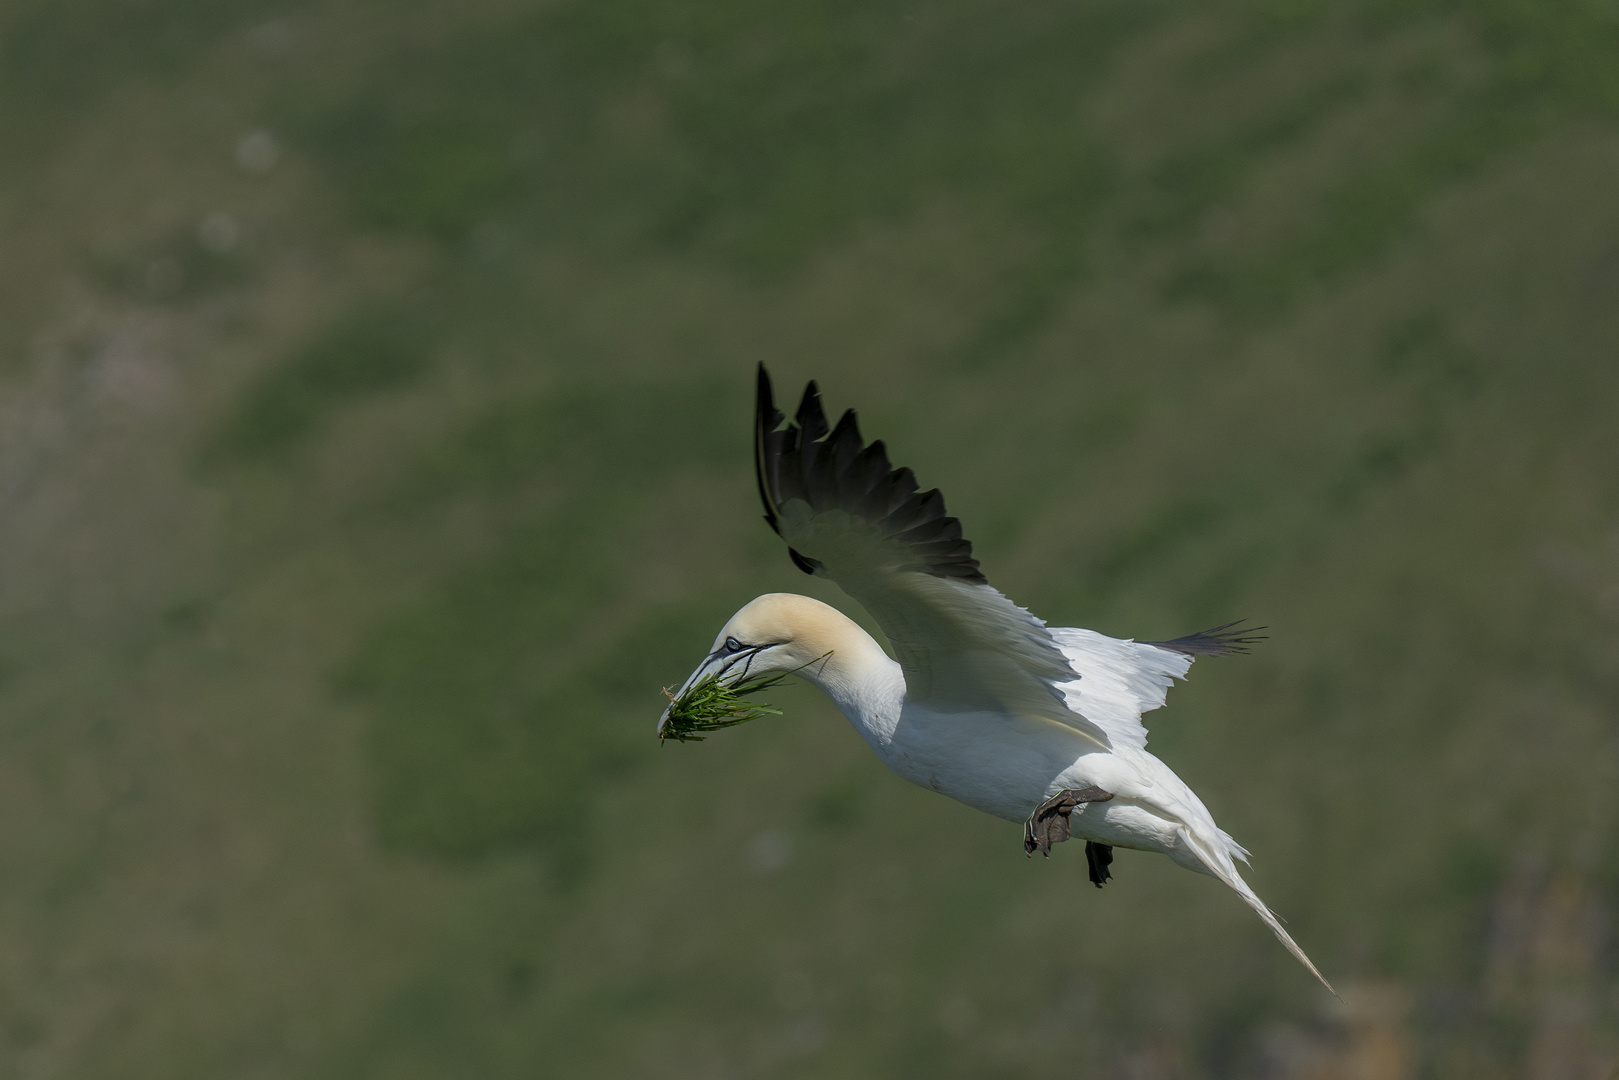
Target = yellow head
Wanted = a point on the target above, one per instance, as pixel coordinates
(786, 632)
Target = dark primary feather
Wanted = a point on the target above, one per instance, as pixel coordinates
(831, 468)
(1226, 640)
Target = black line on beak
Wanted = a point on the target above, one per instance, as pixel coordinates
(746, 654)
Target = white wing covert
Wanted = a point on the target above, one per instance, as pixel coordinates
(1119, 680)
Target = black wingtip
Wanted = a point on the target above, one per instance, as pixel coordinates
(765, 411)
(1228, 639)
(811, 418)
(833, 469)
(766, 418)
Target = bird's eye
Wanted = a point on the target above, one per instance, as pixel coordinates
(732, 645)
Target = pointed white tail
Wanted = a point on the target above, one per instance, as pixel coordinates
(1226, 871)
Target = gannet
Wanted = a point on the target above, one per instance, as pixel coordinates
(982, 701)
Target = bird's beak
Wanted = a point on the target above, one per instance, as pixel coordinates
(734, 666)
(713, 662)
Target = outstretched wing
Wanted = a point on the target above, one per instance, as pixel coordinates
(1118, 680)
(848, 515)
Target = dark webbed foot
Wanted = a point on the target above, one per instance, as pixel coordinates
(1099, 857)
(1049, 823)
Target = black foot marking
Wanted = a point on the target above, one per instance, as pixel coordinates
(1049, 823)
(1099, 857)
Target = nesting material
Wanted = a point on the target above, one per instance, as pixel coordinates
(709, 704)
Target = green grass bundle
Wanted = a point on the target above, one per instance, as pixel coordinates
(709, 705)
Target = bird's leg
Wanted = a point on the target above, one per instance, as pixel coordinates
(1099, 857)
(1049, 823)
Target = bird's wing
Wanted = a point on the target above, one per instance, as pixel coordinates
(848, 515)
(1118, 680)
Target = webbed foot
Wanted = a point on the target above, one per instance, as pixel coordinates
(1099, 857)
(1049, 823)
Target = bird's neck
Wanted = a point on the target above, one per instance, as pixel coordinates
(865, 685)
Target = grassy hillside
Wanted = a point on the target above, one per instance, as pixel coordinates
(374, 445)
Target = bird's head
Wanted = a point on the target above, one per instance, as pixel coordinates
(777, 632)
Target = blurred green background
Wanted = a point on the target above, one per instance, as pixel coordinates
(374, 443)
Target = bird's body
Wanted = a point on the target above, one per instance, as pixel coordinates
(1001, 764)
(982, 703)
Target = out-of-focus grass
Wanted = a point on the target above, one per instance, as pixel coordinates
(508, 665)
(368, 353)
(334, 756)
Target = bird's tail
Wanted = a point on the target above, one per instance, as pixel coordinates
(1219, 863)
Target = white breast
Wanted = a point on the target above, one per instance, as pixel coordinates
(1001, 765)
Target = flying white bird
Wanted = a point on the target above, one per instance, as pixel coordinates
(982, 702)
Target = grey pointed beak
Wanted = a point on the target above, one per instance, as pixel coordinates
(711, 662)
(720, 663)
